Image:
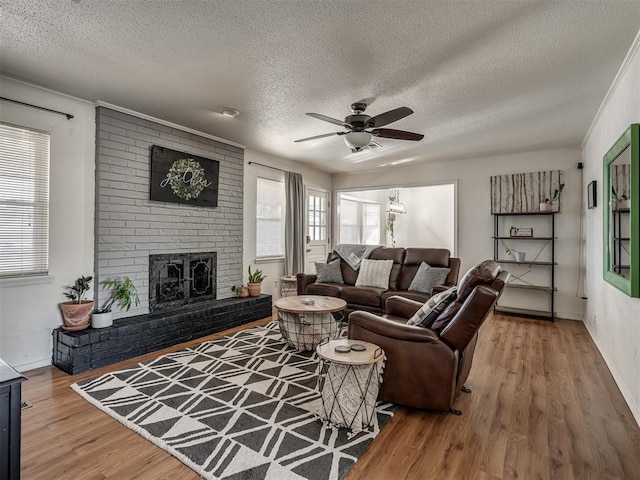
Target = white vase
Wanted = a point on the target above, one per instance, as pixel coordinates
(102, 320)
(519, 256)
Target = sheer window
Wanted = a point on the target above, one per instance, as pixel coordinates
(24, 202)
(371, 223)
(348, 221)
(359, 222)
(270, 213)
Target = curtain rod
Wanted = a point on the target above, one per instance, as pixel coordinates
(267, 166)
(68, 115)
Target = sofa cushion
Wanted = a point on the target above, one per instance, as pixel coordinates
(374, 273)
(391, 253)
(329, 272)
(436, 257)
(428, 277)
(371, 296)
(349, 275)
(430, 311)
(324, 289)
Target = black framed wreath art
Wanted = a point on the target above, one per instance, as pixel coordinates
(180, 177)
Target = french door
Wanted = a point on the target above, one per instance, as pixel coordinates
(317, 223)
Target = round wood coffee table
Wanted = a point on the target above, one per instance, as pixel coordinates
(305, 320)
(349, 382)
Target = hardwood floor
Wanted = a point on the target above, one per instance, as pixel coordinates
(543, 406)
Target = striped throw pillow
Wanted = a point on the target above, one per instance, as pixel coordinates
(374, 273)
(430, 311)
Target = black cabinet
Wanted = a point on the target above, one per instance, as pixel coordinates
(541, 247)
(10, 406)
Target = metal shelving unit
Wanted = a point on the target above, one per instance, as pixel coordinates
(549, 289)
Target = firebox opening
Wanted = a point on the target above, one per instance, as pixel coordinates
(181, 278)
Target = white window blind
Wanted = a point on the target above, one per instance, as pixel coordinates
(24, 202)
(270, 213)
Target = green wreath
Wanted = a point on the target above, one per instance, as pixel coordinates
(186, 177)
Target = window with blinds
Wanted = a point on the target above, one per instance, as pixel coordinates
(270, 212)
(24, 202)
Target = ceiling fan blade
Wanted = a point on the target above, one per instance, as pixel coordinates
(329, 119)
(389, 117)
(397, 134)
(319, 136)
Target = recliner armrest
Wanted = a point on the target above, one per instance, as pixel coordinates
(303, 281)
(401, 307)
(389, 328)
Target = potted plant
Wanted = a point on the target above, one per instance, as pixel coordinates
(622, 202)
(76, 312)
(122, 292)
(255, 282)
(517, 256)
(391, 219)
(547, 205)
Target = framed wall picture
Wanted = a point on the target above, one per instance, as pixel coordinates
(180, 177)
(592, 198)
(521, 232)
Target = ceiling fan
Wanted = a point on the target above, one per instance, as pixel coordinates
(361, 127)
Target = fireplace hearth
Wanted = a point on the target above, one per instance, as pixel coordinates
(181, 279)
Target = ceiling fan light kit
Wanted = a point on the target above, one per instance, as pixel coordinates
(357, 137)
(357, 140)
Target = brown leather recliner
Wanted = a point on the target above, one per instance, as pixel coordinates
(427, 367)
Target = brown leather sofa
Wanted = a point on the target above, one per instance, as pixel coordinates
(427, 367)
(406, 262)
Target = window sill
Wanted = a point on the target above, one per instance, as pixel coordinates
(26, 281)
(260, 260)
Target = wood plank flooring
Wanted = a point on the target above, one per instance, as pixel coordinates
(543, 406)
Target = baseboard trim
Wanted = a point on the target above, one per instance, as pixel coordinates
(25, 367)
(626, 394)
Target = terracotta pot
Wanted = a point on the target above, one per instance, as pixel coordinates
(546, 207)
(254, 289)
(76, 315)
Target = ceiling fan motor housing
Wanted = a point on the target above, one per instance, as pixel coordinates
(358, 122)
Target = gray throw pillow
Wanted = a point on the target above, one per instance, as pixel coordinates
(430, 311)
(329, 272)
(428, 277)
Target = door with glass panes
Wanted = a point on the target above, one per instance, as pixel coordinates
(317, 239)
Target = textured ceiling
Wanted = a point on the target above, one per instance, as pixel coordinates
(483, 77)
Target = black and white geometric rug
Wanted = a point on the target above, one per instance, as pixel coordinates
(241, 407)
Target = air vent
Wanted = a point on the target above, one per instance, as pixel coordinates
(25, 404)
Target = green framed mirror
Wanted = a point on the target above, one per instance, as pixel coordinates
(621, 195)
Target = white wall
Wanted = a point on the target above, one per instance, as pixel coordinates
(430, 218)
(612, 318)
(475, 222)
(310, 177)
(29, 307)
